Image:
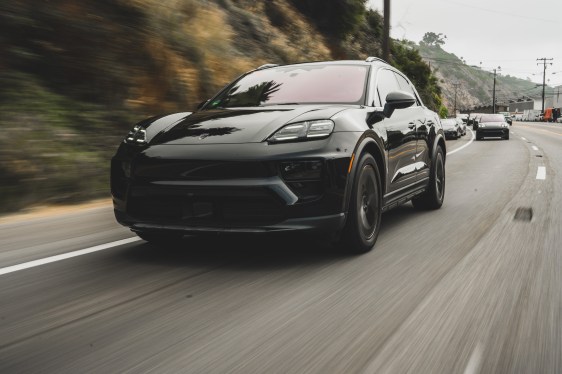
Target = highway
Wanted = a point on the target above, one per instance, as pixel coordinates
(475, 287)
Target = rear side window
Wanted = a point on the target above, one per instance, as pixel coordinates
(386, 83)
(405, 86)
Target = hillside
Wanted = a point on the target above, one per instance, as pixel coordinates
(475, 84)
(75, 76)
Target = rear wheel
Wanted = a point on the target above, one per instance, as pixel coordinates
(365, 208)
(433, 197)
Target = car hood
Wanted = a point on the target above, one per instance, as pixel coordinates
(448, 127)
(237, 125)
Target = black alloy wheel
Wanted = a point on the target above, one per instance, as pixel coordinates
(435, 194)
(365, 208)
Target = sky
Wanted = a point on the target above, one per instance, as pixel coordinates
(510, 34)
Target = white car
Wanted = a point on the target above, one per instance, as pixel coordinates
(462, 125)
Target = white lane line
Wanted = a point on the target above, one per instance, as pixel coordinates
(541, 172)
(535, 148)
(464, 146)
(64, 256)
(523, 138)
(473, 365)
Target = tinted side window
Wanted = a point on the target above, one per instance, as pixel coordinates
(386, 83)
(405, 86)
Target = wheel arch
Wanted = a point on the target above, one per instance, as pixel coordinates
(372, 144)
(439, 142)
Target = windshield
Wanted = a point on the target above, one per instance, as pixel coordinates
(493, 118)
(297, 84)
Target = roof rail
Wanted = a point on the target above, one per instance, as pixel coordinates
(371, 59)
(267, 66)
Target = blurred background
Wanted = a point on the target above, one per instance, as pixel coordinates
(76, 75)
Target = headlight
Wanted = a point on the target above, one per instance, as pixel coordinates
(307, 130)
(481, 125)
(136, 136)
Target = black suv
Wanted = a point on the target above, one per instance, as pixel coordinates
(322, 147)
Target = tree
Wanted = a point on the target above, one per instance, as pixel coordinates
(409, 61)
(432, 39)
(443, 112)
(335, 17)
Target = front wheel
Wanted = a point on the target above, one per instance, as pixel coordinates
(365, 208)
(433, 197)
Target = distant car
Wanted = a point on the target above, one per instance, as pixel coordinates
(492, 125)
(451, 128)
(559, 120)
(462, 125)
(508, 119)
(321, 147)
(463, 116)
(476, 120)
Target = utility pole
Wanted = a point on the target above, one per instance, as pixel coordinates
(455, 105)
(544, 62)
(386, 31)
(494, 92)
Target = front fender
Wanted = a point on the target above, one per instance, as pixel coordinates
(438, 141)
(370, 142)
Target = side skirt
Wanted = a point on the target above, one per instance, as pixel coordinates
(404, 194)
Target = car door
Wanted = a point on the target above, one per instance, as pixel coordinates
(400, 129)
(424, 120)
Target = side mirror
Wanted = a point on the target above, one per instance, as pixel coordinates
(201, 104)
(397, 100)
(394, 100)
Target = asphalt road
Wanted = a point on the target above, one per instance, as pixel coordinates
(475, 287)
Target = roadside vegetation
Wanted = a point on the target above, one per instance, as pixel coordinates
(75, 76)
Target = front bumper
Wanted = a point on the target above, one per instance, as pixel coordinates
(492, 132)
(213, 194)
(450, 133)
(323, 224)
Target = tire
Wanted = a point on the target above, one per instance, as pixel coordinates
(160, 238)
(365, 208)
(433, 197)
(506, 137)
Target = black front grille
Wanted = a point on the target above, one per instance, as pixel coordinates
(214, 207)
(155, 169)
(493, 133)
